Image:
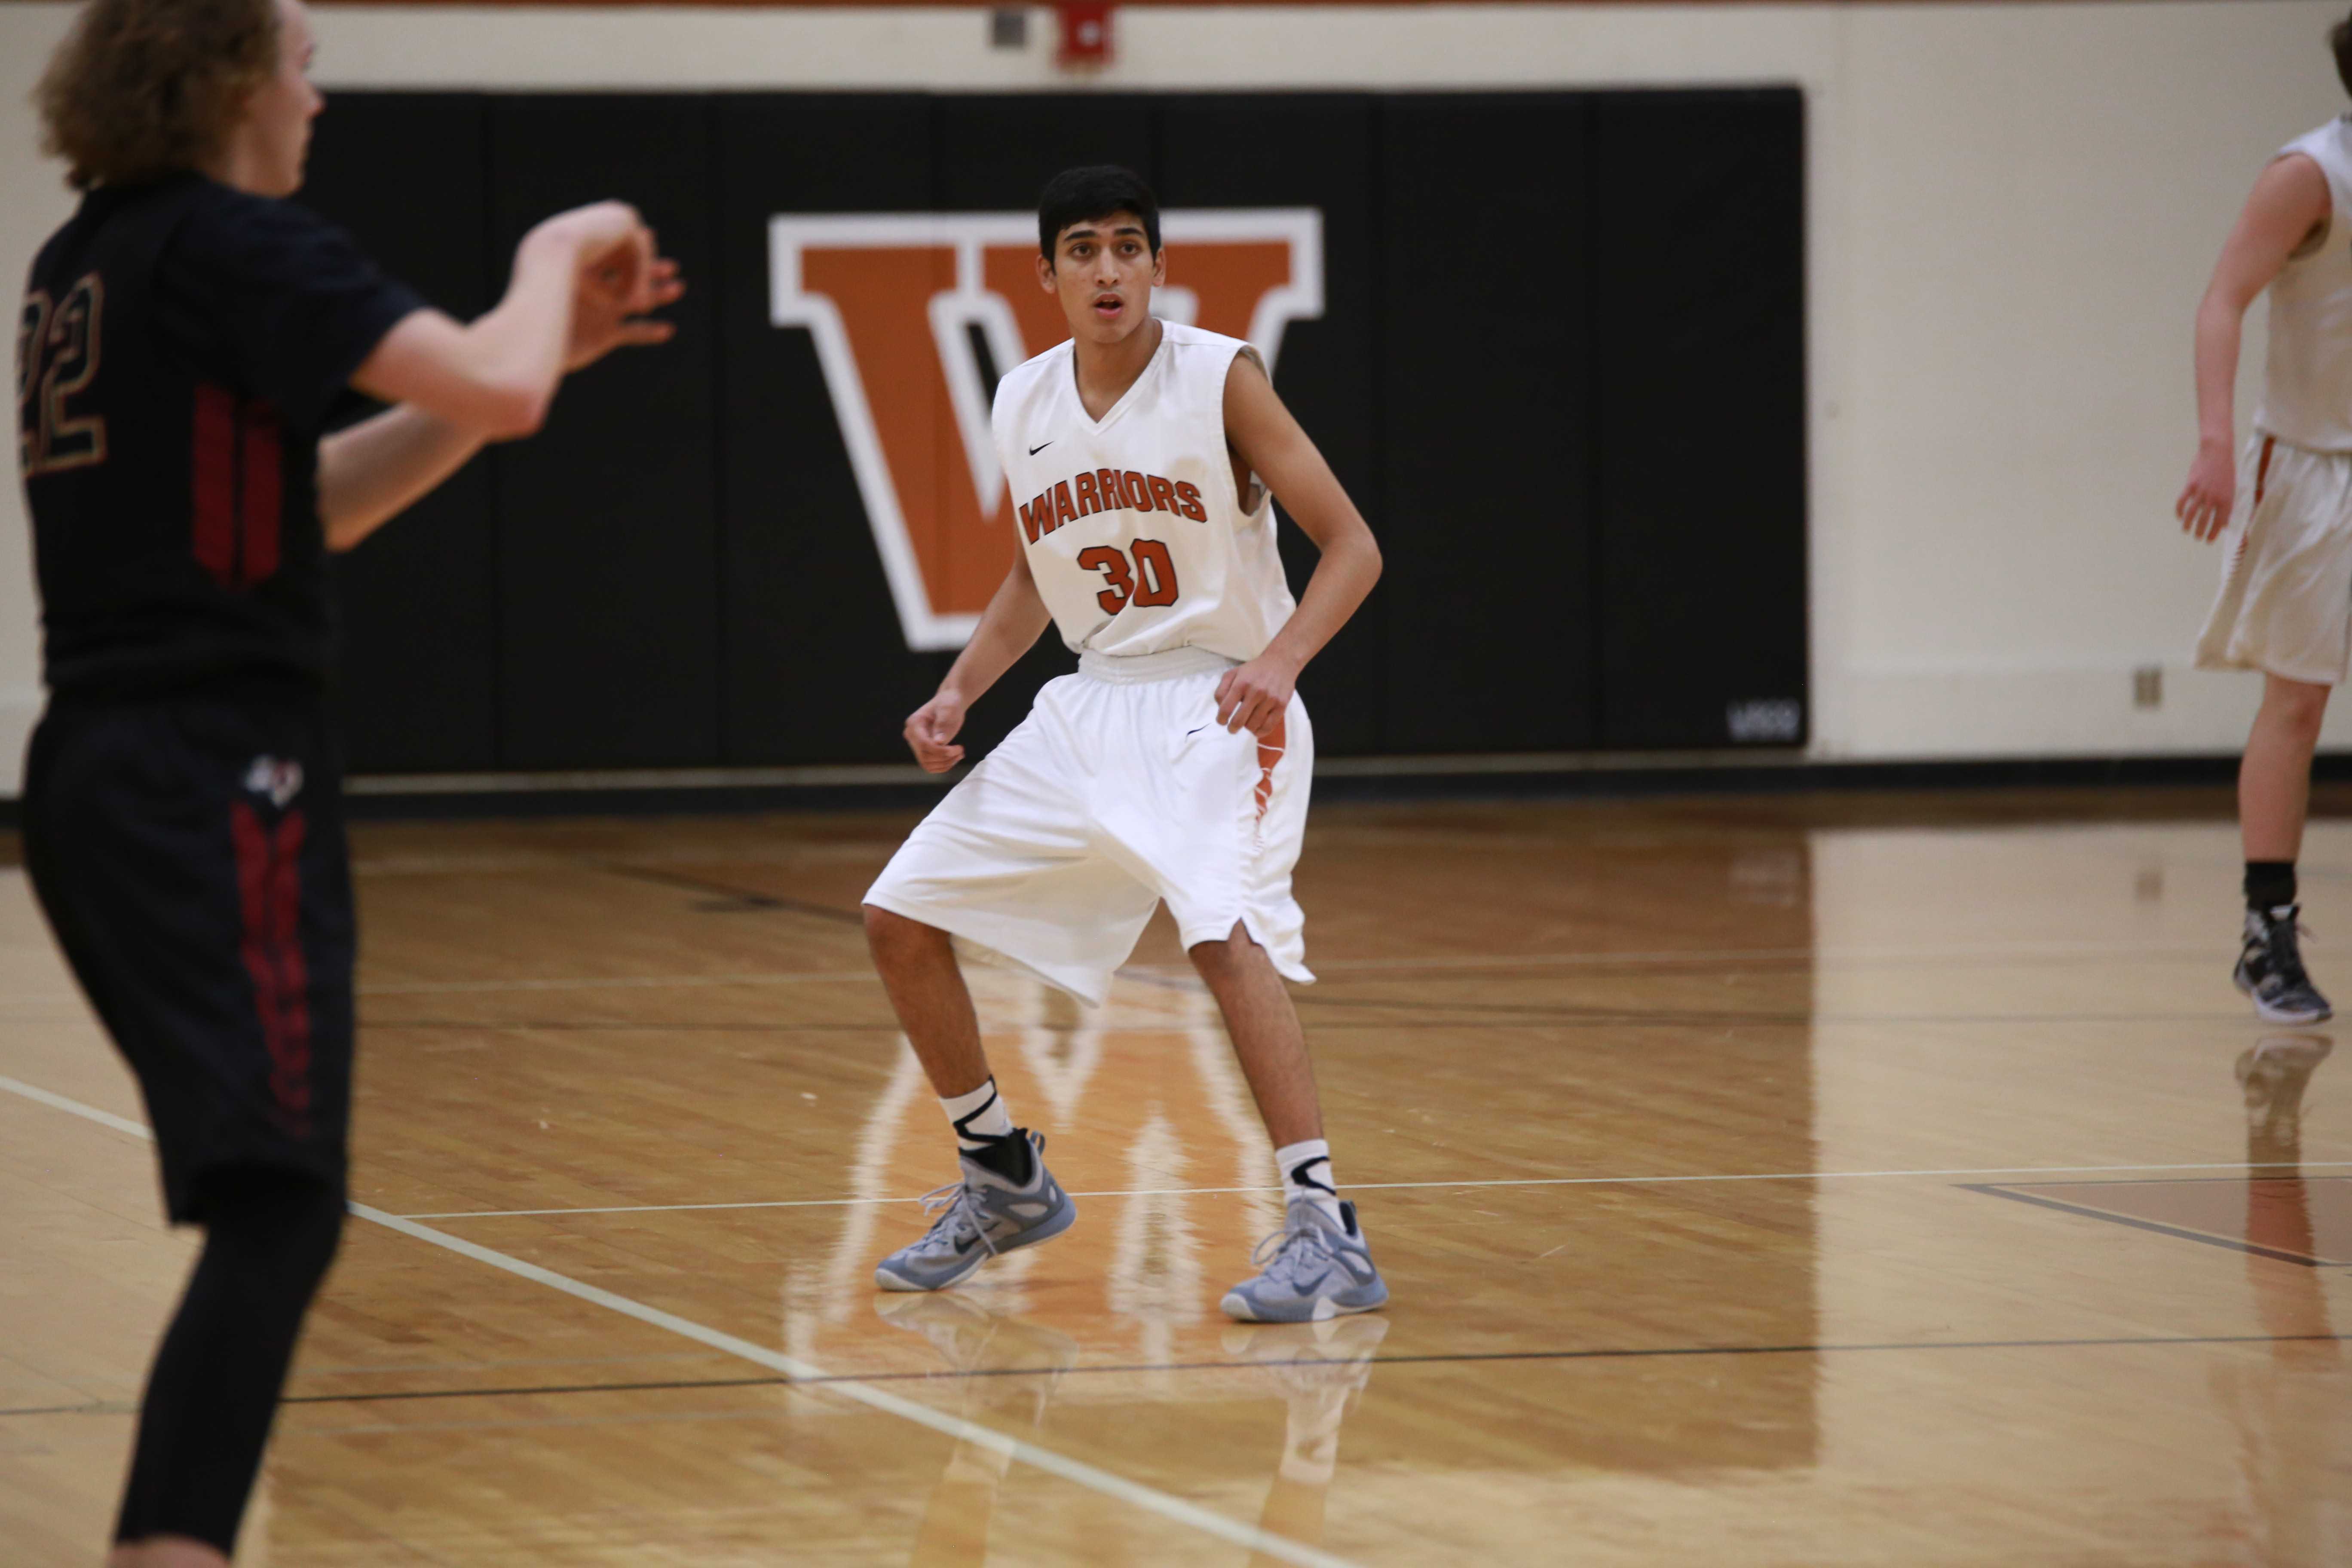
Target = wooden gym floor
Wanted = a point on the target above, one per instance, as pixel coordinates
(1818, 1180)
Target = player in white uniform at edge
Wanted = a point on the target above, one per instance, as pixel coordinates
(1174, 765)
(2285, 603)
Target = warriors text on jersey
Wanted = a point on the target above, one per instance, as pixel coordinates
(1138, 537)
(178, 349)
(2307, 383)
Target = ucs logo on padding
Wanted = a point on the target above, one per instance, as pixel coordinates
(897, 302)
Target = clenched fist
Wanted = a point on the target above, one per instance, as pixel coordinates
(931, 732)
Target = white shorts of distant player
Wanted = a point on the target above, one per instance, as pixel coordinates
(1120, 789)
(2286, 604)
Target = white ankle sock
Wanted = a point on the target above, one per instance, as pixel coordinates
(1305, 1171)
(978, 1118)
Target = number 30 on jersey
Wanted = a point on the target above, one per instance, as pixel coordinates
(1150, 580)
(56, 357)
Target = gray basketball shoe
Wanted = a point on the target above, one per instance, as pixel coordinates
(1315, 1269)
(2270, 969)
(984, 1215)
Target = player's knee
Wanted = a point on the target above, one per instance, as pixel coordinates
(279, 1230)
(883, 929)
(893, 936)
(2297, 707)
(1221, 953)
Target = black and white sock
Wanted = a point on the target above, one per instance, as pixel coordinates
(985, 1133)
(1306, 1169)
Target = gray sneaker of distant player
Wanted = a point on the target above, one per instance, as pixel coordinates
(979, 1216)
(2270, 969)
(1316, 1268)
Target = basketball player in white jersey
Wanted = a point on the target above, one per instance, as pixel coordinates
(2286, 604)
(1174, 765)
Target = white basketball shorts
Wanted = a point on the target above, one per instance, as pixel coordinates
(1119, 789)
(2285, 603)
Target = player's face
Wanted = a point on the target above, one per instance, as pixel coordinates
(1103, 271)
(277, 127)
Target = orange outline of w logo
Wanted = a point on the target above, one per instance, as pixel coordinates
(893, 301)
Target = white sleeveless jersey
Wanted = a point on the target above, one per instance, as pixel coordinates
(1137, 538)
(2307, 383)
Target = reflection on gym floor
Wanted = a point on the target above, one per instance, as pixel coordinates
(2293, 1410)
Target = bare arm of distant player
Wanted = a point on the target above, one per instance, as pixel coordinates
(1253, 696)
(2289, 209)
(581, 281)
(1007, 629)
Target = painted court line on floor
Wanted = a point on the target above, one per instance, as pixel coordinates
(615, 982)
(1970, 950)
(1454, 1358)
(1174, 1509)
(1460, 1358)
(1394, 1187)
(75, 1108)
(2051, 950)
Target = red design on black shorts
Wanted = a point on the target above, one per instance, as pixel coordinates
(269, 886)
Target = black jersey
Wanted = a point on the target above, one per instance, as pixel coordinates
(180, 346)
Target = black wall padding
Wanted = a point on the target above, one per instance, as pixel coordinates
(1487, 517)
(1699, 288)
(817, 670)
(608, 527)
(406, 173)
(1252, 150)
(1559, 368)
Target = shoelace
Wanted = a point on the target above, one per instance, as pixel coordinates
(962, 1205)
(1291, 1250)
(2285, 951)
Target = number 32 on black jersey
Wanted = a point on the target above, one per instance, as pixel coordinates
(57, 349)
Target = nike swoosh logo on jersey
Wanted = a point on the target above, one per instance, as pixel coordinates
(1039, 447)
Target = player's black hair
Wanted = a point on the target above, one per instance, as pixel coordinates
(1098, 190)
(2339, 38)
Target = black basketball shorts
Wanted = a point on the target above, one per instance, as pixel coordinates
(189, 856)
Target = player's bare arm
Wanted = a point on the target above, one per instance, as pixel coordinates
(468, 385)
(499, 374)
(1269, 441)
(2287, 212)
(1007, 629)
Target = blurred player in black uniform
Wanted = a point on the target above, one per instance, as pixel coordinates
(181, 342)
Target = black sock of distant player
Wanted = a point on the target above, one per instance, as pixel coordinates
(214, 1389)
(2270, 884)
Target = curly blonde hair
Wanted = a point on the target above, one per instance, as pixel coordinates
(141, 88)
